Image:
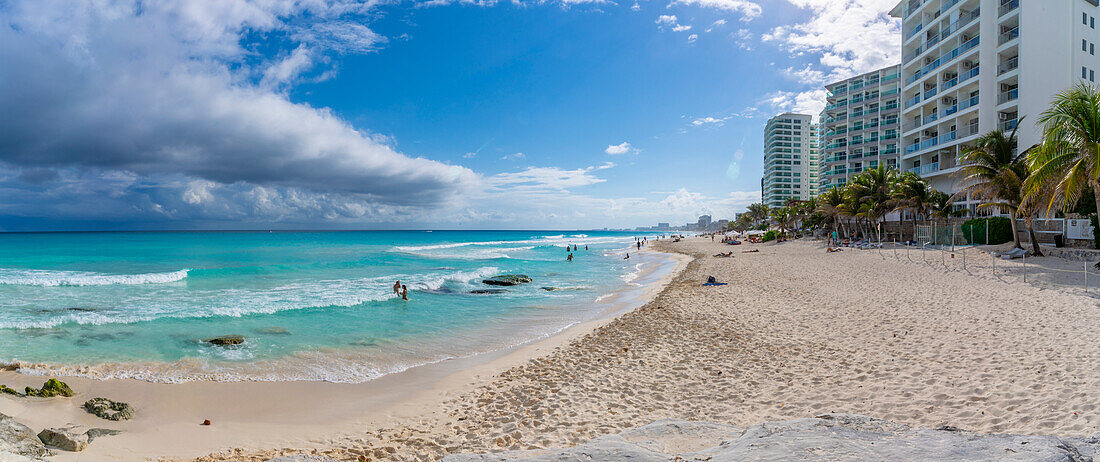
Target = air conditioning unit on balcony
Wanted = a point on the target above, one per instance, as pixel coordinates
(969, 65)
(948, 100)
(1003, 116)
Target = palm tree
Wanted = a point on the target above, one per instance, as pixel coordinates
(995, 174)
(830, 204)
(1068, 164)
(912, 193)
(941, 206)
(871, 192)
(758, 212)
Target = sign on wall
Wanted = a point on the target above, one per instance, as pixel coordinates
(1078, 228)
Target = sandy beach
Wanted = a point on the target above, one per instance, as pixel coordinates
(797, 332)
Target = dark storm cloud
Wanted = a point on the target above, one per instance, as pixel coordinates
(159, 92)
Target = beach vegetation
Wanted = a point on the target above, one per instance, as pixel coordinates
(770, 235)
(999, 230)
(1068, 164)
(994, 172)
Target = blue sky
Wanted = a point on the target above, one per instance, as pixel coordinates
(236, 114)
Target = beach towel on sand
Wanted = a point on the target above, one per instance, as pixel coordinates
(713, 282)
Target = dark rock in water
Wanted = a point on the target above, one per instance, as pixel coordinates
(82, 309)
(488, 291)
(18, 439)
(51, 388)
(110, 410)
(507, 280)
(549, 289)
(10, 391)
(273, 330)
(226, 340)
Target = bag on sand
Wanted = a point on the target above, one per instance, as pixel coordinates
(711, 280)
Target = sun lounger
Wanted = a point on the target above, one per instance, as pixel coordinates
(1014, 253)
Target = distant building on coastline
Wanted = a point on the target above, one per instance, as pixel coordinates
(860, 125)
(790, 159)
(704, 223)
(972, 66)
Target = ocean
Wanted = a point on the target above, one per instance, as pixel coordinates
(310, 305)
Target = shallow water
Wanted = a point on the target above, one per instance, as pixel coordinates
(311, 305)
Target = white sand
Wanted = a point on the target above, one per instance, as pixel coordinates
(796, 333)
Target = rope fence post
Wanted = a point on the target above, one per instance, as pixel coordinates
(1086, 278)
(1025, 267)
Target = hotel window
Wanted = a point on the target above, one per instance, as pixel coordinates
(1085, 18)
(1092, 22)
(1084, 73)
(1092, 49)
(1084, 45)
(1092, 76)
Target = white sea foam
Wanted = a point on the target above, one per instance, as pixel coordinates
(243, 302)
(47, 278)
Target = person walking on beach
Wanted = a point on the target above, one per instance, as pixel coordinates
(404, 293)
(397, 287)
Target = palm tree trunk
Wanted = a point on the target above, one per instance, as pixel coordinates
(1034, 240)
(914, 226)
(1015, 232)
(1096, 195)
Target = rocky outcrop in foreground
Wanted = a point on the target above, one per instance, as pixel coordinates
(19, 443)
(832, 437)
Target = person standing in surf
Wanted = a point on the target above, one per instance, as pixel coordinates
(397, 287)
(404, 293)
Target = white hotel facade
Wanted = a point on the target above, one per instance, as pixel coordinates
(973, 66)
(790, 159)
(860, 126)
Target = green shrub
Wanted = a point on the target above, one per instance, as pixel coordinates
(1000, 230)
(762, 227)
(771, 235)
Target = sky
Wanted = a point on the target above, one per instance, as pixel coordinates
(440, 114)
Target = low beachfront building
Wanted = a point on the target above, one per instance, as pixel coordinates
(860, 126)
(790, 159)
(972, 66)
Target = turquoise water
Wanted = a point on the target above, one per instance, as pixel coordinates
(311, 305)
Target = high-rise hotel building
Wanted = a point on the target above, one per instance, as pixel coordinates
(972, 66)
(790, 159)
(860, 125)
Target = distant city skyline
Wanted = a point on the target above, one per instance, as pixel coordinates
(339, 114)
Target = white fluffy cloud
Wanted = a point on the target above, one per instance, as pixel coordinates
(748, 10)
(850, 36)
(670, 21)
(806, 102)
(621, 148)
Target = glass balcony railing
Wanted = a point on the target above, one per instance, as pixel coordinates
(1008, 66)
(926, 169)
(1007, 36)
(1007, 96)
(1009, 125)
(1007, 6)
